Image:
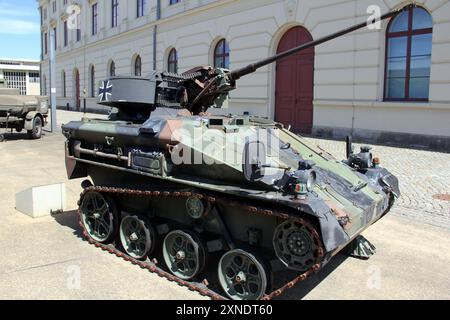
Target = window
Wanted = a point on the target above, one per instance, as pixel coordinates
(94, 19)
(174, 1)
(172, 62)
(54, 6)
(222, 55)
(54, 31)
(78, 27)
(17, 80)
(112, 69)
(408, 56)
(45, 13)
(138, 66)
(141, 7)
(34, 77)
(65, 33)
(92, 81)
(45, 43)
(63, 81)
(64, 2)
(114, 13)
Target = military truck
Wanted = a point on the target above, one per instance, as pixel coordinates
(18, 112)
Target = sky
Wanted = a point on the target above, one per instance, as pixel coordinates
(19, 29)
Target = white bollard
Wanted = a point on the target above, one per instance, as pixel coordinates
(42, 200)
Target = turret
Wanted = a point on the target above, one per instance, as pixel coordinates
(196, 90)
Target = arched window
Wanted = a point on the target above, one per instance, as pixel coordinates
(138, 66)
(222, 55)
(112, 69)
(172, 62)
(408, 56)
(92, 88)
(63, 81)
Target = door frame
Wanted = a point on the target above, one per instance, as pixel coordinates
(76, 89)
(272, 68)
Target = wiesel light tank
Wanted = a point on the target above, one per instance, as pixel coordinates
(233, 207)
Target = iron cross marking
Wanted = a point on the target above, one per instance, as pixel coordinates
(105, 91)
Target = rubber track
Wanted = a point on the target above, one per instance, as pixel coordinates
(201, 288)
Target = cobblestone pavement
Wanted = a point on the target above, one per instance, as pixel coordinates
(423, 175)
(411, 262)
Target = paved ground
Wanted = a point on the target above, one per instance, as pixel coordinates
(423, 176)
(46, 259)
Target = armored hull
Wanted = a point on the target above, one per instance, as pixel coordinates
(142, 171)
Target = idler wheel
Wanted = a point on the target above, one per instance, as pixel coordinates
(296, 246)
(242, 275)
(99, 216)
(184, 254)
(137, 236)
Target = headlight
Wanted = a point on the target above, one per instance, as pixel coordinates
(311, 180)
(306, 180)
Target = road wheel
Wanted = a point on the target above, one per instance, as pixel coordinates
(36, 132)
(99, 216)
(137, 236)
(242, 275)
(184, 254)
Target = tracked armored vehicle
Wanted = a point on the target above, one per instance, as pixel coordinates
(22, 112)
(230, 206)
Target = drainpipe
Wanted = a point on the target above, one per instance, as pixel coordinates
(155, 31)
(42, 52)
(52, 79)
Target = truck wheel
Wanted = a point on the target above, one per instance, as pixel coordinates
(36, 132)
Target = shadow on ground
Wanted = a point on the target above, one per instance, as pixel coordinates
(70, 219)
(7, 136)
(15, 136)
(303, 288)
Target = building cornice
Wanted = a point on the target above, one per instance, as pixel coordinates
(148, 25)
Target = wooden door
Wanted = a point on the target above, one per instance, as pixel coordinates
(295, 83)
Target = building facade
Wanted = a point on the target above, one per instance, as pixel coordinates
(386, 83)
(21, 74)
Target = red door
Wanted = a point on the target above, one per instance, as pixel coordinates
(77, 90)
(295, 83)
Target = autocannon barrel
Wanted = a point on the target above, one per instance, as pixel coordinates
(237, 74)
